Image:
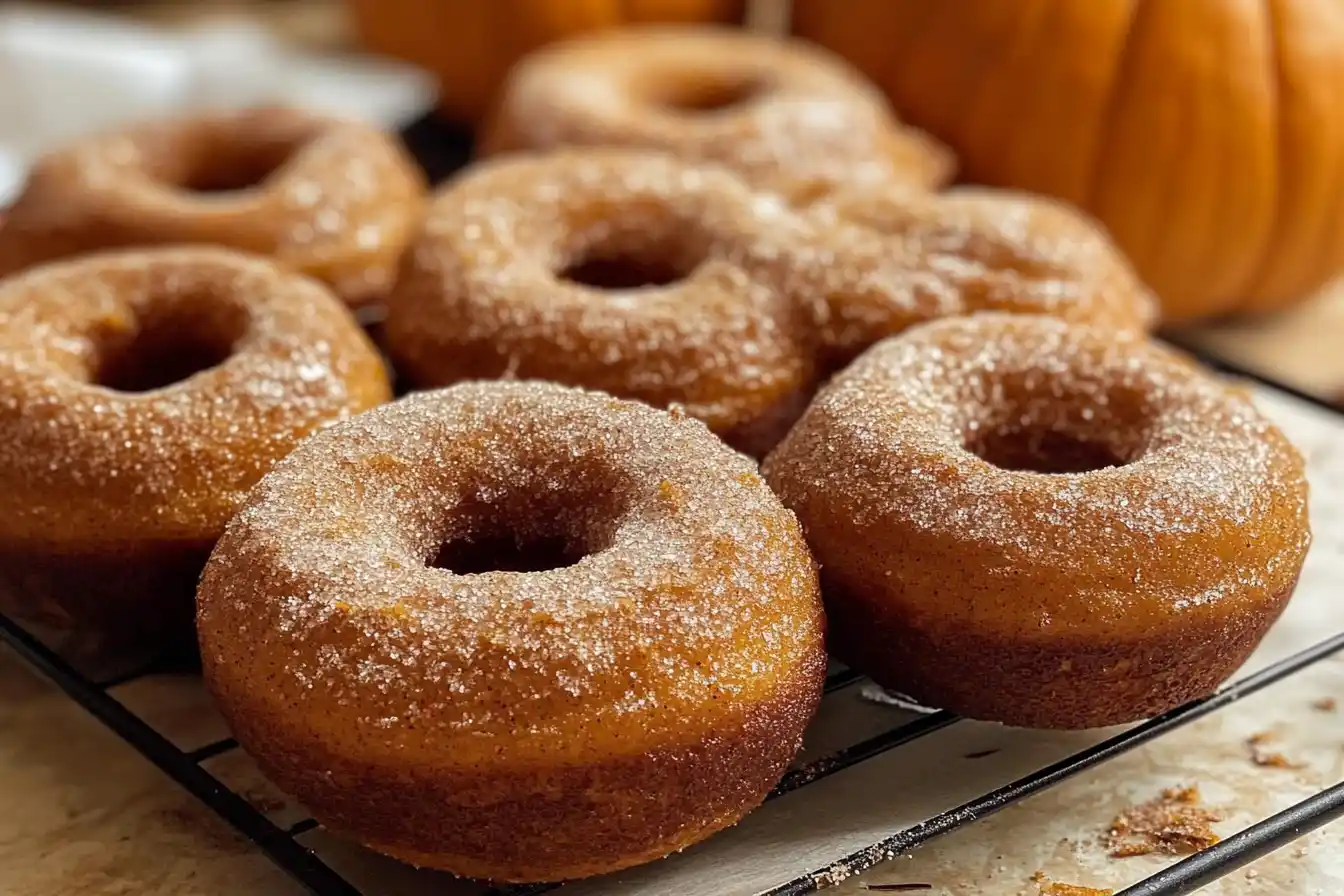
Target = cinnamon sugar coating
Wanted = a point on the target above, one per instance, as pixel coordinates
(880, 260)
(788, 117)
(1138, 576)
(335, 199)
(111, 498)
(691, 306)
(534, 725)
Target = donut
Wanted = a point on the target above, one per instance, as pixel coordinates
(142, 393)
(535, 633)
(787, 116)
(1041, 523)
(334, 199)
(880, 260)
(628, 272)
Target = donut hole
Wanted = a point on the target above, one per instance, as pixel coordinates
(707, 95)
(1057, 421)
(167, 347)
(226, 165)
(548, 513)
(509, 553)
(1034, 450)
(233, 169)
(625, 270)
(660, 250)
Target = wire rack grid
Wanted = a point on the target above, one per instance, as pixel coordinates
(441, 151)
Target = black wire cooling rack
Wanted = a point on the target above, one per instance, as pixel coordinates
(442, 150)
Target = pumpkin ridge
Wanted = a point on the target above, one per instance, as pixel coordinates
(1166, 184)
(911, 35)
(1289, 272)
(496, 37)
(1324, 262)
(951, 84)
(1223, 188)
(1064, 170)
(1253, 282)
(1024, 37)
(1108, 115)
(1126, 217)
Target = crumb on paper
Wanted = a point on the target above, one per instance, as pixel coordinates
(1057, 889)
(1273, 760)
(834, 875)
(1325, 704)
(1054, 888)
(1268, 758)
(1171, 824)
(1252, 874)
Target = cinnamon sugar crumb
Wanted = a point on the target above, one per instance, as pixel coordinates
(1268, 758)
(1325, 704)
(385, 463)
(1172, 824)
(1273, 760)
(1057, 889)
(1053, 888)
(672, 493)
(399, 612)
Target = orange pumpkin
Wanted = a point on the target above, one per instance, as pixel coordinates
(471, 44)
(1208, 135)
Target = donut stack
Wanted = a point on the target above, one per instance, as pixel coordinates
(547, 617)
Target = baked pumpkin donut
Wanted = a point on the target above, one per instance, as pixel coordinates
(788, 117)
(141, 395)
(880, 260)
(335, 199)
(1043, 524)
(534, 633)
(629, 272)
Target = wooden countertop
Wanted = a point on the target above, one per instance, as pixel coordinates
(1303, 348)
(84, 815)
